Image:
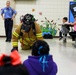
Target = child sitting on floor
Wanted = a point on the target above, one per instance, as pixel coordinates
(41, 62)
(64, 29)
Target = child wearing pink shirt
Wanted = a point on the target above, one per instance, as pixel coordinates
(74, 23)
(73, 33)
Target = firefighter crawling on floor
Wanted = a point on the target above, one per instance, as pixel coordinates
(27, 32)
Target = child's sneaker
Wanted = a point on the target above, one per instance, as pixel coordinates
(60, 38)
(64, 41)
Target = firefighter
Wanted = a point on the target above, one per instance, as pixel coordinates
(27, 32)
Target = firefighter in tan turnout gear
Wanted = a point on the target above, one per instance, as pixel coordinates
(27, 32)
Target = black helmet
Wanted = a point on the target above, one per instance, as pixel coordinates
(28, 19)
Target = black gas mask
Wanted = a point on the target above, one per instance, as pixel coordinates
(26, 28)
(28, 21)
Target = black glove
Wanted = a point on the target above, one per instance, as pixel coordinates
(14, 48)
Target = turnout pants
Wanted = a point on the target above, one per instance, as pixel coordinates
(60, 34)
(25, 47)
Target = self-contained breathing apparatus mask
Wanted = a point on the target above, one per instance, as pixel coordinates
(28, 21)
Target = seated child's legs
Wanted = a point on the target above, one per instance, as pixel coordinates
(65, 35)
(60, 35)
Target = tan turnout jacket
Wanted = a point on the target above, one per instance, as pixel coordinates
(26, 38)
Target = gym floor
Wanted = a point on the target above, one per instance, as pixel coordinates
(64, 54)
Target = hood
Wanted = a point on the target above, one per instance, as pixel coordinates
(37, 67)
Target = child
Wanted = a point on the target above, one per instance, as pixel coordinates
(11, 65)
(74, 24)
(41, 62)
(63, 31)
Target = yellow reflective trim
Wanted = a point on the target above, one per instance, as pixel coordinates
(31, 45)
(28, 39)
(15, 43)
(24, 42)
(15, 34)
(32, 39)
(38, 34)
